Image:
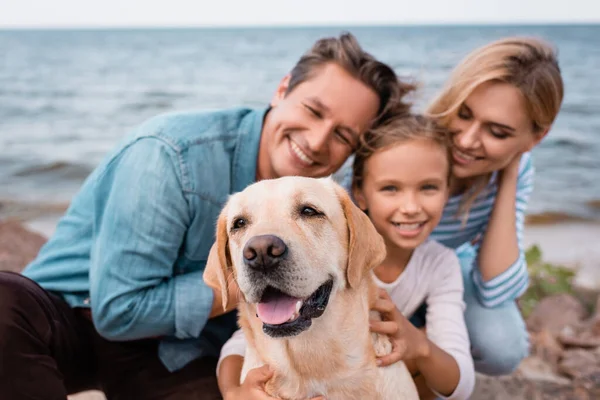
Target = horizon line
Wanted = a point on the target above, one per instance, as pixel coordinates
(300, 25)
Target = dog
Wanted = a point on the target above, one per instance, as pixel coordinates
(302, 253)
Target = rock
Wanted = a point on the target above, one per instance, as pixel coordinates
(585, 335)
(535, 369)
(546, 347)
(18, 245)
(582, 366)
(515, 387)
(555, 313)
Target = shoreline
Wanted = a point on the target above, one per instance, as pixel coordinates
(562, 238)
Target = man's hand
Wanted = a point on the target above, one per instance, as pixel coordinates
(408, 342)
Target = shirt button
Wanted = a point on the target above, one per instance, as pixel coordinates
(86, 301)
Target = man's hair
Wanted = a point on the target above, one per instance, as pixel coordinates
(346, 52)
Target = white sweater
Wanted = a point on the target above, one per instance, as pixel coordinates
(433, 276)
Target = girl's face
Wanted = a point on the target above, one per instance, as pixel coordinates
(490, 129)
(405, 189)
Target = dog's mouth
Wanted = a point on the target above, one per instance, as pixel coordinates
(283, 315)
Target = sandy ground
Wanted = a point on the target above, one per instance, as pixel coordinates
(573, 244)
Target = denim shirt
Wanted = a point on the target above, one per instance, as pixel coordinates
(134, 242)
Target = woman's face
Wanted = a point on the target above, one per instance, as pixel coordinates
(490, 129)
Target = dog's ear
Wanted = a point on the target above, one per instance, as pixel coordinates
(218, 265)
(366, 248)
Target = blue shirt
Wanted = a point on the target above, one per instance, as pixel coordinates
(134, 242)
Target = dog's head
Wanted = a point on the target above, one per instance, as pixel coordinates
(291, 244)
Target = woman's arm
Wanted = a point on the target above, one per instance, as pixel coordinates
(502, 272)
(500, 247)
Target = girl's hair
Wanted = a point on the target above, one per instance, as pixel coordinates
(529, 64)
(397, 129)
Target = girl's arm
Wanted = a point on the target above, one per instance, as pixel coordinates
(420, 354)
(231, 360)
(229, 372)
(502, 271)
(441, 355)
(446, 326)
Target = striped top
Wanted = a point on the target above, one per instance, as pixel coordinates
(513, 282)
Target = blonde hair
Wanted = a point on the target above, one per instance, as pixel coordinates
(397, 129)
(529, 64)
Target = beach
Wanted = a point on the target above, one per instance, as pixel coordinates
(68, 97)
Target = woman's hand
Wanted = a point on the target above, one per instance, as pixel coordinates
(253, 387)
(511, 171)
(408, 342)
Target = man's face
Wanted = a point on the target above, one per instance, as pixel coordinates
(313, 129)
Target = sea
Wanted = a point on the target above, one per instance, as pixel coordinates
(67, 96)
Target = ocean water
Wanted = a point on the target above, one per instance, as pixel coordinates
(67, 96)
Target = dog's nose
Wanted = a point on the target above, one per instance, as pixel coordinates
(264, 252)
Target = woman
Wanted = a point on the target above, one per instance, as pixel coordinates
(499, 103)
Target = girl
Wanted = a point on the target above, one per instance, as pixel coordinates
(498, 104)
(402, 180)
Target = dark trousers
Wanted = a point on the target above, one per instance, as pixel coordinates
(49, 350)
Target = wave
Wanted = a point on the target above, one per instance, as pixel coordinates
(38, 93)
(162, 94)
(64, 169)
(16, 111)
(573, 143)
(580, 109)
(150, 105)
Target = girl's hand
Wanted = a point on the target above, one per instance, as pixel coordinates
(253, 387)
(408, 342)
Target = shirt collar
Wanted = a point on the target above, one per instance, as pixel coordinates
(245, 157)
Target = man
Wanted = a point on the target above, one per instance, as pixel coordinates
(115, 300)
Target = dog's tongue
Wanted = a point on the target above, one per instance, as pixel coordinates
(276, 311)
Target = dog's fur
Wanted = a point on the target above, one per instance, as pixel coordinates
(336, 355)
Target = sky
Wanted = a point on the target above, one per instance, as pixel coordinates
(174, 13)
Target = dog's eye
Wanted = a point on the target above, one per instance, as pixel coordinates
(309, 211)
(238, 223)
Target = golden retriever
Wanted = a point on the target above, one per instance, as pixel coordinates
(301, 253)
